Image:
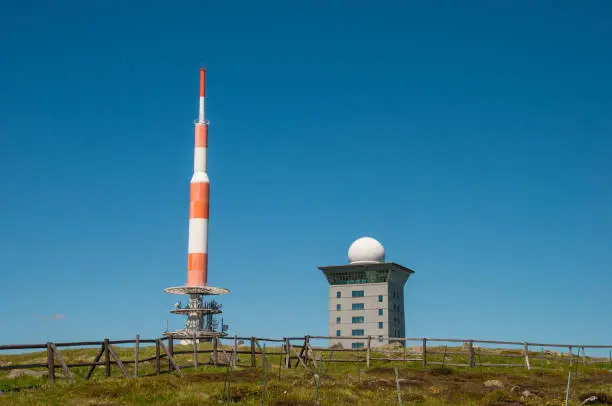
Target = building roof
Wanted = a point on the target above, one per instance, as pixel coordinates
(370, 266)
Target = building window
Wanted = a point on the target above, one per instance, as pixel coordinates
(380, 298)
(338, 307)
(357, 293)
(380, 339)
(338, 295)
(357, 345)
(380, 324)
(359, 332)
(337, 320)
(337, 333)
(358, 306)
(380, 312)
(359, 319)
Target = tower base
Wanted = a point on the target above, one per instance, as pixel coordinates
(202, 323)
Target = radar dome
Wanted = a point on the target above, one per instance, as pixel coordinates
(366, 250)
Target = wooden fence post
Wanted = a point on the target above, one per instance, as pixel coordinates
(171, 351)
(96, 360)
(235, 355)
(175, 366)
(62, 363)
(118, 361)
(368, 351)
(305, 356)
(424, 353)
(107, 361)
(309, 352)
(526, 350)
(584, 361)
(253, 360)
(280, 361)
(196, 361)
(157, 357)
(471, 349)
(215, 343)
(136, 355)
(51, 363)
(288, 356)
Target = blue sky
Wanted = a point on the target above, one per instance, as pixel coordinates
(471, 138)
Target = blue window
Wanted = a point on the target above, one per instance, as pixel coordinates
(380, 298)
(357, 293)
(358, 332)
(358, 306)
(338, 294)
(338, 307)
(359, 319)
(380, 324)
(337, 333)
(338, 320)
(380, 312)
(357, 345)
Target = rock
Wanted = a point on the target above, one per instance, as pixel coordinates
(16, 373)
(595, 398)
(526, 394)
(494, 383)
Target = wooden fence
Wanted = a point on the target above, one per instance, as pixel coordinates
(299, 351)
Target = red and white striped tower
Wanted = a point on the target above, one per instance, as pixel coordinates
(197, 261)
(200, 321)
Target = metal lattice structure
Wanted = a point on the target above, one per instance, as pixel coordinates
(203, 316)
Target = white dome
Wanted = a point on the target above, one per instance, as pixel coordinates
(366, 250)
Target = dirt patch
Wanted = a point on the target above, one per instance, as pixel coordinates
(381, 371)
(440, 371)
(247, 375)
(375, 383)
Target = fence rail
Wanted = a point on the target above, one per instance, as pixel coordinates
(300, 351)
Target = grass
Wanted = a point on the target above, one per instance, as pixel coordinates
(341, 383)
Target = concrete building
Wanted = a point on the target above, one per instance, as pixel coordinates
(366, 297)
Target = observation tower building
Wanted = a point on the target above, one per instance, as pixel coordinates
(366, 297)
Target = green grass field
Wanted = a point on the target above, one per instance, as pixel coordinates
(340, 383)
